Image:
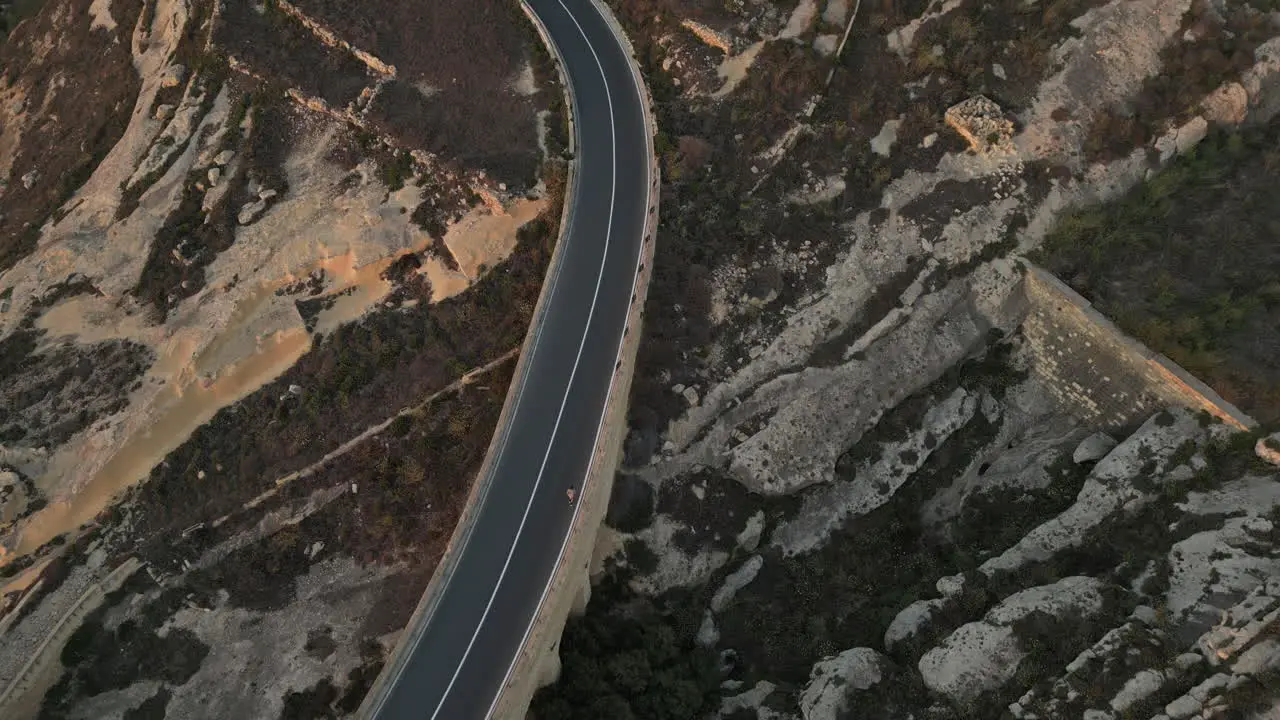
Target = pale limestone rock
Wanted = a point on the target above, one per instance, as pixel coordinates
(825, 45)
(737, 580)
(250, 211)
(831, 680)
(1108, 490)
(1138, 688)
(985, 655)
(1228, 105)
(882, 143)
(1182, 708)
(1268, 448)
(950, 586)
(835, 12)
(1264, 657)
(708, 633)
(748, 700)
(1180, 140)
(911, 621)
(749, 538)
(173, 76)
(1094, 447)
(981, 122)
(690, 395)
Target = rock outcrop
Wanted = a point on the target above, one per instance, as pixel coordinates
(982, 656)
(833, 679)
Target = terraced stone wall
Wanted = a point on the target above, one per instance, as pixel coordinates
(1099, 372)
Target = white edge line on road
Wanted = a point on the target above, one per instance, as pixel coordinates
(568, 387)
(416, 638)
(608, 395)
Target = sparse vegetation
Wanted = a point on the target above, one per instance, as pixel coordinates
(637, 665)
(1210, 53)
(1187, 263)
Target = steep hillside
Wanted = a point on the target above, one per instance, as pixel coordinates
(871, 473)
(264, 270)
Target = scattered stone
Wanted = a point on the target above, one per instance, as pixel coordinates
(998, 70)
(1146, 615)
(163, 112)
(224, 157)
(981, 122)
(29, 179)
(1095, 447)
(214, 176)
(929, 140)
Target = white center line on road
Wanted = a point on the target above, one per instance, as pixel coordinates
(613, 141)
(493, 706)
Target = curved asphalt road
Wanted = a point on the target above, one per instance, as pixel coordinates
(461, 652)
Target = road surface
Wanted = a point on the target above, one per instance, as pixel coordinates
(459, 655)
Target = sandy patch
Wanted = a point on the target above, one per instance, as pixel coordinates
(260, 338)
(24, 579)
(180, 410)
(524, 83)
(482, 239)
(95, 318)
(733, 69)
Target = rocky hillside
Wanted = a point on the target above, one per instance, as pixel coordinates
(245, 248)
(858, 485)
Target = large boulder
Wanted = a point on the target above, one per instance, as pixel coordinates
(1093, 448)
(831, 681)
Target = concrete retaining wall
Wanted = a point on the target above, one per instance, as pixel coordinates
(1099, 372)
